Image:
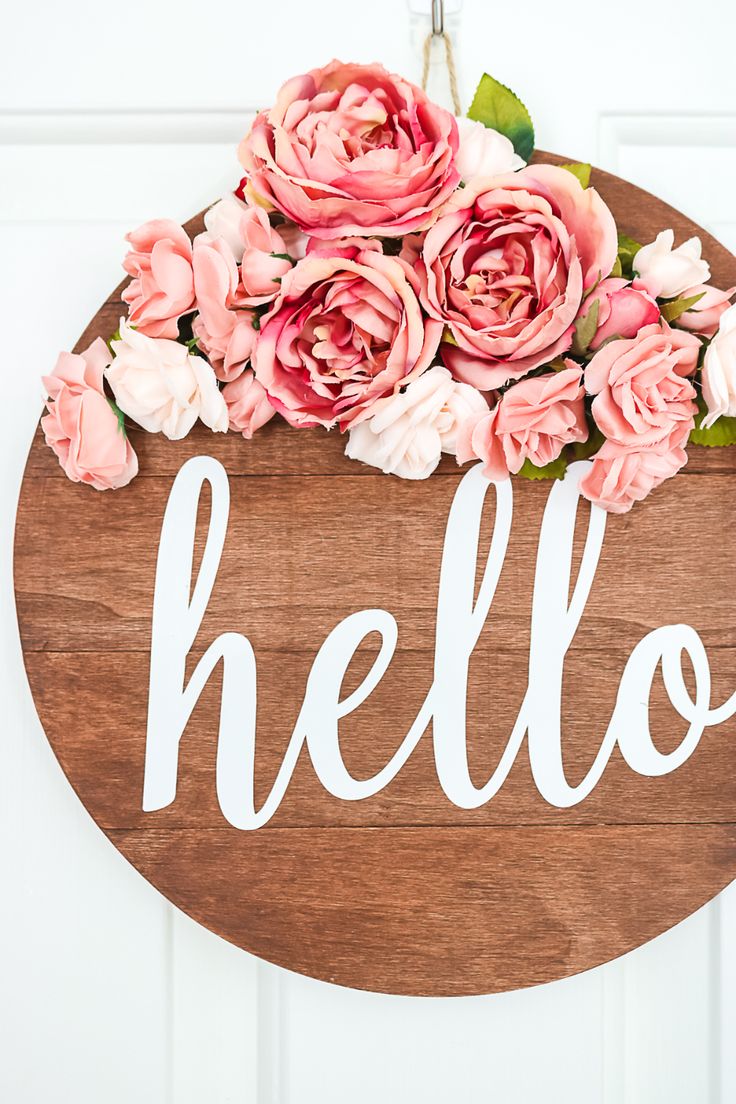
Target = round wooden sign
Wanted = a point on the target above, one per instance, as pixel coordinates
(362, 841)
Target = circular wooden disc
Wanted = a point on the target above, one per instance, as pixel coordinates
(402, 892)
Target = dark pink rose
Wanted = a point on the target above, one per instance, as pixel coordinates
(506, 267)
(162, 288)
(351, 149)
(81, 426)
(345, 331)
(642, 388)
(533, 420)
(622, 475)
(623, 310)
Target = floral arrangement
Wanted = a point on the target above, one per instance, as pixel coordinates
(405, 276)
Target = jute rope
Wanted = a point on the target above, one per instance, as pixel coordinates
(449, 61)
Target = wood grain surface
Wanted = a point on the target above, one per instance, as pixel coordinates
(402, 892)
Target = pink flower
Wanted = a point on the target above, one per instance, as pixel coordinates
(247, 404)
(351, 149)
(506, 267)
(533, 420)
(162, 288)
(81, 426)
(620, 476)
(623, 310)
(224, 326)
(704, 316)
(265, 259)
(641, 386)
(345, 331)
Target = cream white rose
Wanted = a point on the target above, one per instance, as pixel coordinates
(223, 221)
(162, 387)
(667, 272)
(483, 151)
(409, 431)
(719, 370)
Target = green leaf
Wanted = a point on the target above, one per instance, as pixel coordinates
(627, 250)
(585, 328)
(579, 169)
(555, 470)
(497, 107)
(722, 433)
(119, 415)
(675, 307)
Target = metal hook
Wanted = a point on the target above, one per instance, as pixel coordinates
(438, 17)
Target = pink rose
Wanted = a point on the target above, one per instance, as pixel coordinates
(506, 267)
(641, 386)
(81, 426)
(224, 326)
(345, 331)
(162, 288)
(623, 310)
(704, 316)
(248, 407)
(265, 258)
(533, 420)
(351, 149)
(621, 476)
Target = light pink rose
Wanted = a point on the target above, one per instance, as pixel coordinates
(621, 476)
(351, 149)
(248, 407)
(81, 426)
(623, 310)
(224, 326)
(162, 288)
(345, 331)
(704, 316)
(533, 420)
(506, 267)
(641, 386)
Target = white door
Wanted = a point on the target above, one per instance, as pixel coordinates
(108, 995)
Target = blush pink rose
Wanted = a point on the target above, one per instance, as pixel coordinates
(248, 407)
(351, 149)
(162, 285)
(506, 267)
(704, 316)
(620, 476)
(345, 331)
(81, 426)
(533, 420)
(641, 386)
(623, 310)
(224, 326)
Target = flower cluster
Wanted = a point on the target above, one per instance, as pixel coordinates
(404, 276)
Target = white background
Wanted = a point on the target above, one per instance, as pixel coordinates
(113, 114)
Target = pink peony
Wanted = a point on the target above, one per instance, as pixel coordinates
(81, 426)
(351, 149)
(506, 267)
(224, 327)
(533, 420)
(623, 310)
(641, 386)
(248, 407)
(345, 331)
(621, 476)
(162, 288)
(704, 316)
